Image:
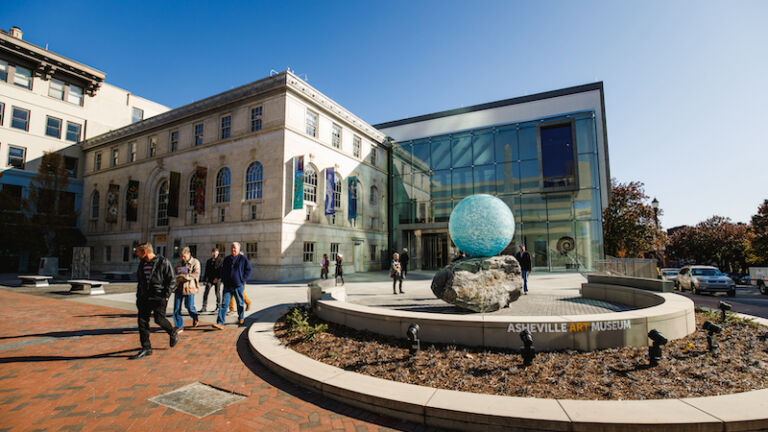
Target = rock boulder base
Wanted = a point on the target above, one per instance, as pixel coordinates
(480, 284)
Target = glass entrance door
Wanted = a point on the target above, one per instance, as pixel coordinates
(435, 251)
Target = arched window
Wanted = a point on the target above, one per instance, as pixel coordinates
(337, 192)
(162, 204)
(310, 185)
(223, 180)
(95, 205)
(373, 199)
(253, 181)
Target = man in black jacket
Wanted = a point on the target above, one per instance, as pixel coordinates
(156, 282)
(524, 258)
(212, 278)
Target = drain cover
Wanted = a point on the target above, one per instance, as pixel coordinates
(197, 399)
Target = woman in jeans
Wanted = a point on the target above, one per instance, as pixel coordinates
(187, 285)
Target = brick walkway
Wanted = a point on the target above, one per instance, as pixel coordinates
(64, 367)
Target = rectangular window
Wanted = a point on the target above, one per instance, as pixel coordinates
(336, 136)
(115, 157)
(127, 254)
(152, 149)
(20, 119)
(137, 115)
(252, 250)
(254, 215)
(132, 152)
(3, 71)
(17, 156)
(70, 164)
(309, 252)
(2, 113)
(373, 156)
(311, 121)
(56, 89)
(53, 127)
(75, 95)
(107, 253)
(222, 214)
(173, 145)
(226, 126)
(73, 132)
(97, 161)
(373, 252)
(199, 134)
(558, 156)
(356, 146)
(334, 250)
(256, 119)
(23, 77)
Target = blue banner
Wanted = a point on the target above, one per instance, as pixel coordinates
(329, 183)
(352, 208)
(298, 182)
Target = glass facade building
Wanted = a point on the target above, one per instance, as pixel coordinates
(547, 170)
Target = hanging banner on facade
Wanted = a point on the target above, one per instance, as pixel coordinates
(132, 201)
(199, 184)
(329, 183)
(173, 195)
(113, 200)
(298, 182)
(352, 207)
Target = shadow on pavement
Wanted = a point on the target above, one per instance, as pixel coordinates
(32, 359)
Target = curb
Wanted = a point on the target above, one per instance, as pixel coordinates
(481, 412)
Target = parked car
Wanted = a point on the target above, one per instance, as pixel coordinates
(700, 279)
(669, 274)
(758, 276)
(744, 280)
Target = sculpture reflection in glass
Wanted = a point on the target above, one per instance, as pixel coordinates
(481, 225)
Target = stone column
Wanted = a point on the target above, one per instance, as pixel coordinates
(416, 251)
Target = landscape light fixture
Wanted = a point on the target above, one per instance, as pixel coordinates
(712, 329)
(413, 335)
(724, 307)
(654, 351)
(528, 351)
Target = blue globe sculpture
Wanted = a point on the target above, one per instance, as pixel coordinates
(481, 225)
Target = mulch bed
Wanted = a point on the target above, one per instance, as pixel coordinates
(688, 369)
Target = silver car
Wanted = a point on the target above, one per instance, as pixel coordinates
(669, 274)
(700, 279)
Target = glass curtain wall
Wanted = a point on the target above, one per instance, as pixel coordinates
(554, 195)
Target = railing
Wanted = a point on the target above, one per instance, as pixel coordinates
(635, 267)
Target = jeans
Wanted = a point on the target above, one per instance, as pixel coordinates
(189, 303)
(149, 308)
(228, 293)
(216, 289)
(525, 280)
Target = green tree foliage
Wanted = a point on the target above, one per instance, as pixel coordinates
(716, 241)
(629, 227)
(757, 255)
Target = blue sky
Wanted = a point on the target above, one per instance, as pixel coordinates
(685, 82)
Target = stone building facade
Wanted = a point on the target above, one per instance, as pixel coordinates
(222, 169)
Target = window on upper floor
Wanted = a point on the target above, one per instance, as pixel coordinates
(17, 156)
(256, 118)
(115, 157)
(96, 161)
(310, 185)
(373, 199)
(137, 115)
(356, 146)
(56, 89)
(253, 181)
(199, 129)
(73, 131)
(53, 127)
(223, 182)
(374, 156)
(132, 152)
(95, 205)
(336, 136)
(3, 71)
(23, 77)
(337, 192)
(2, 113)
(226, 126)
(311, 121)
(75, 95)
(558, 156)
(20, 119)
(152, 147)
(173, 141)
(70, 164)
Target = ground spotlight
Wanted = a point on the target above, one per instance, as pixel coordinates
(724, 307)
(413, 336)
(528, 351)
(654, 351)
(712, 329)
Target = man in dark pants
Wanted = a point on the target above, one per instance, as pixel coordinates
(404, 262)
(212, 278)
(156, 281)
(524, 258)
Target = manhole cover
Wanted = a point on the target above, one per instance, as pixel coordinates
(197, 399)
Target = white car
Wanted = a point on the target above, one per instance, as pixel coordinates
(700, 279)
(669, 274)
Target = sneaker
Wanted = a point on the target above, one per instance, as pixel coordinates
(203, 310)
(217, 326)
(179, 330)
(247, 306)
(241, 322)
(140, 354)
(194, 322)
(175, 338)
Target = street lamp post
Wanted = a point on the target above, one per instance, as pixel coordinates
(655, 205)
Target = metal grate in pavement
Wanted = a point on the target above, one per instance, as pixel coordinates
(197, 399)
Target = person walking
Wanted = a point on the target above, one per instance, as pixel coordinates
(155, 281)
(339, 270)
(396, 273)
(324, 264)
(404, 262)
(524, 258)
(232, 304)
(212, 279)
(234, 273)
(187, 285)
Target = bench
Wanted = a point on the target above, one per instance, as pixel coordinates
(95, 287)
(115, 275)
(35, 280)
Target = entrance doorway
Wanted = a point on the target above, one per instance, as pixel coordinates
(435, 251)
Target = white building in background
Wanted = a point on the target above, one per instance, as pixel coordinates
(49, 102)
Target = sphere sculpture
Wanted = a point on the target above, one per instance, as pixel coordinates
(481, 225)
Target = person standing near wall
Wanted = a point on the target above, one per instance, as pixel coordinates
(324, 264)
(339, 270)
(212, 278)
(524, 258)
(404, 262)
(234, 273)
(396, 273)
